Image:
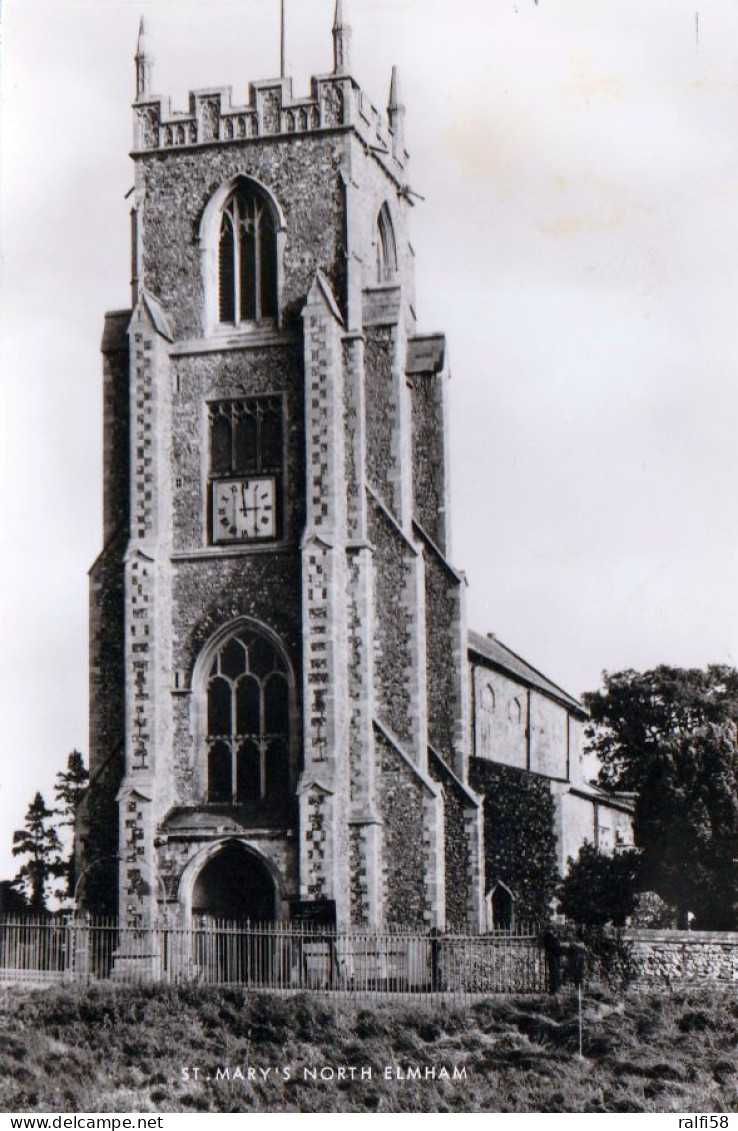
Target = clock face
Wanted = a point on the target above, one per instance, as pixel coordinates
(244, 510)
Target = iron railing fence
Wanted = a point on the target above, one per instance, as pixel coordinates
(273, 957)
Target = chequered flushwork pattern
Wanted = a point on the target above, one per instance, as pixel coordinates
(320, 600)
(143, 438)
(315, 835)
(357, 680)
(321, 504)
(360, 674)
(353, 424)
(134, 835)
(473, 825)
(317, 675)
(135, 871)
(140, 660)
(360, 909)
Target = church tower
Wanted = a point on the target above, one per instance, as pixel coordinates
(279, 682)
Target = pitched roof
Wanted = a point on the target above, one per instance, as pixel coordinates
(500, 656)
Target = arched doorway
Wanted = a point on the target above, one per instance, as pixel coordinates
(500, 908)
(233, 895)
(235, 885)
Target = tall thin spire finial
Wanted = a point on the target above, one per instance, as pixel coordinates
(282, 43)
(396, 115)
(341, 42)
(144, 62)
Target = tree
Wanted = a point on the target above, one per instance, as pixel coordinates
(599, 890)
(39, 842)
(670, 737)
(69, 788)
(12, 901)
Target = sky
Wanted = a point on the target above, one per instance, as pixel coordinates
(577, 243)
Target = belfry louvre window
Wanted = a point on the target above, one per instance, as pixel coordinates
(248, 723)
(247, 259)
(246, 469)
(246, 436)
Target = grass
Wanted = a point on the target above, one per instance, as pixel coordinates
(109, 1049)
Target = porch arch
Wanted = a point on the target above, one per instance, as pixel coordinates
(230, 879)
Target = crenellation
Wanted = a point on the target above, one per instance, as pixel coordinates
(271, 111)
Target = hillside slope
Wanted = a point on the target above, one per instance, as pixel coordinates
(136, 1049)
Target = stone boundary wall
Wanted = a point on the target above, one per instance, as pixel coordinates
(683, 957)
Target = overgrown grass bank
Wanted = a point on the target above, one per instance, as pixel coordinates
(108, 1049)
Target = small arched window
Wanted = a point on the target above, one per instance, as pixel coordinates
(247, 258)
(247, 722)
(386, 247)
(515, 712)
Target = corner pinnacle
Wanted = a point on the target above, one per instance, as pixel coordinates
(395, 102)
(141, 44)
(144, 62)
(341, 42)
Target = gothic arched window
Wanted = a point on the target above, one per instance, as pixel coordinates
(386, 247)
(247, 722)
(247, 258)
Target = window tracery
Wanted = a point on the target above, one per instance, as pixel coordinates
(247, 258)
(247, 722)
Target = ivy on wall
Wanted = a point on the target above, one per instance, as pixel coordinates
(519, 836)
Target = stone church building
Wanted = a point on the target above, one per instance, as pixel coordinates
(285, 695)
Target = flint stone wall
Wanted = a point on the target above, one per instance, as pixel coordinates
(684, 956)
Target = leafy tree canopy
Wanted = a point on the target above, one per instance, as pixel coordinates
(599, 890)
(39, 842)
(12, 901)
(637, 713)
(670, 737)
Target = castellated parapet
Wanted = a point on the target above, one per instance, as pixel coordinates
(335, 102)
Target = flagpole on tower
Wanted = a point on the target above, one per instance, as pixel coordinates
(283, 63)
